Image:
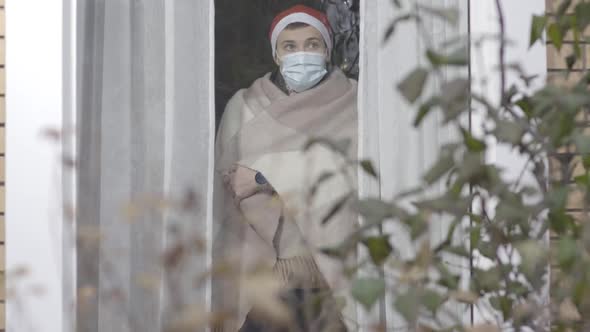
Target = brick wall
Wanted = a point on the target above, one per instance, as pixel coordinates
(558, 74)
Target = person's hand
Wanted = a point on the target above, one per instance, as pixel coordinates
(244, 182)
(264, 212)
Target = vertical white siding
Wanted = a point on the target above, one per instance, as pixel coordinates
(33, 169)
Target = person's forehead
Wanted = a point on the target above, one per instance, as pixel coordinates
(302, 33)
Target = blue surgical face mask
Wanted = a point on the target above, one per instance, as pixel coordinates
(303, 70)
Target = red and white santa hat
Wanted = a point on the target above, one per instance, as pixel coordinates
(300, 14)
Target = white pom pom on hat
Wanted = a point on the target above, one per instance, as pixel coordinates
(300, 14)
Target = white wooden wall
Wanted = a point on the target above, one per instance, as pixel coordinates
(34, 226)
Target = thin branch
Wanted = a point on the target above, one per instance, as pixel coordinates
(502, 51)
(522, 172)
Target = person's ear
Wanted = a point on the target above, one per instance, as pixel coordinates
(276, 59)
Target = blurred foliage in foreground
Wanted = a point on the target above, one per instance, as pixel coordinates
(499, 227)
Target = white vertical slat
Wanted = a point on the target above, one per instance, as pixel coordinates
(211, 168)
(369, 118)
(69, 181)
(115, 149)
(191, 138)
(169, 43)
(401, 152)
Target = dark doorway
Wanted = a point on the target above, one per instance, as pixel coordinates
(242, 47)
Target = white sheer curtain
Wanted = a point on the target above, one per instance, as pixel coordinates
(145, 115)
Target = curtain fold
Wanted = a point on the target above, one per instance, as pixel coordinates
(144, 141)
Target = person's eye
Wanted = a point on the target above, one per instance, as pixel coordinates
(289, 47)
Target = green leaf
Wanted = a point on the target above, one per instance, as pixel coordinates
(454, 98)
(338, 252)
(367, 166)
(557, 198)
(511, 210)
(454, 89)
(392, 26)
(560, 221)
(432, 300)
(336, 208)
(582, 143)
(487, 249)
(583, 180)
(450, 15)
(379, 248)
(570, 61)
(555, 35)
(563, 7)
(473, 169)
(407, 305)
(487, 280)
(533, 260)
(537, 28)
(475, 236)
(525, 104)
(458, 250)
(442, 166)
(472, 143)
(447, 203)
(340, 302)
(459, 57)
(417, 226)
(374, 209)
(582, 14)
(425, 108)
(502, 304)
(412, 85)
(447, 279)
(367, 291)
(567, 252)
(508, 131)
(518, 288)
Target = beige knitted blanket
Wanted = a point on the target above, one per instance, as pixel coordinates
(264, 129)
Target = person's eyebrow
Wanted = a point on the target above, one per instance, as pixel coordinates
(287, 42)
(313, 38)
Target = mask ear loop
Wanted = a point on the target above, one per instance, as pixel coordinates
(277, 59)
(328, 59)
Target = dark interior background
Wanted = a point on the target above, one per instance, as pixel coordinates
(242, 47)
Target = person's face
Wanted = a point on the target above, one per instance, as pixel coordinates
(304, 39)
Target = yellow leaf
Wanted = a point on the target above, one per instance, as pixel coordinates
(262, 290)
(85, 294)
(568, 311)
(149, 282)
(464, 296)
(190, 319)
(483, 328)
